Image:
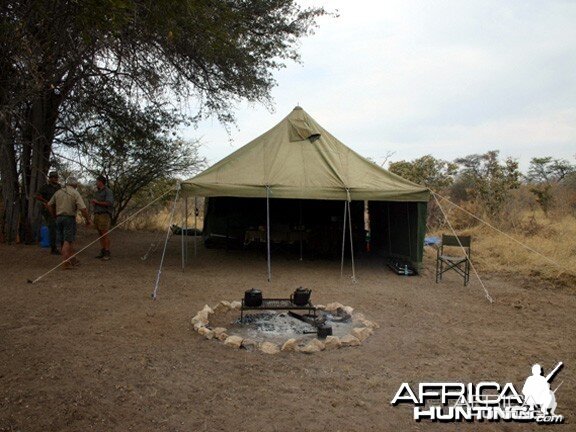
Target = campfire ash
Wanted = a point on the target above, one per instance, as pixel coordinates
(278, 326)
(275, 331)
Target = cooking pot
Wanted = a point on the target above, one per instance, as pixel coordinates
(253, 298)
(301, 296)
(323, 331)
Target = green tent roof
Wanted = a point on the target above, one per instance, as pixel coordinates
(298, 158)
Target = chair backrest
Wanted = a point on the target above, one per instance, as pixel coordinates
(449, 240)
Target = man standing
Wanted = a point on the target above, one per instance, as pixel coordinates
(63, 206)
(44, 195)
(103, 204)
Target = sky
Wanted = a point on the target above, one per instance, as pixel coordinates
(397, 80)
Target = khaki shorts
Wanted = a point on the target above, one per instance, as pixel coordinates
(102, 221)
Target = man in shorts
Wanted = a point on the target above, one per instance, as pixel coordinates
(43, 195)
(103, 206)
(64, 205)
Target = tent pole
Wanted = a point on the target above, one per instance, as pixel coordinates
(389, 229)
(186, 230)
(268, 232)
(155, 292)
(182, 242)
(300, 229)
(409, 231)
(351, 241)
(195, 224)
(343, 240)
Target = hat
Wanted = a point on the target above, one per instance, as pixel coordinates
(72, 181)
(52, 174)
(101, 178)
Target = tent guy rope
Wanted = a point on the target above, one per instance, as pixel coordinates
(566, 269)
(487, 294)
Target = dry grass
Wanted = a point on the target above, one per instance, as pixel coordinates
(157, 219)
(552, 237)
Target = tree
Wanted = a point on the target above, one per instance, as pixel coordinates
(131, 145)
(58, 55)
(487, 180)
(132, 165)
(428, 171)
(548, 170)
(543, 173)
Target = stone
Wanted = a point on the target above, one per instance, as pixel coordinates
(249, 344)
(370, 324)
(207, 309)
(348, 309)
(320, 307)
(233, 341)
(362, 333)
(221, 337)
(200, 317)
(222, 306)
(206, 332)
(198, 325)
(332, 342)
(289, 345)
(218, 331)
(312, 347)
(269, 348)
(358, 317)
(349, 340)
(235, 305)
(332, 307)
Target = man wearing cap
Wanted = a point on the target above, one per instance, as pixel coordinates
(103, 206)
(44, 195)
(64, 205)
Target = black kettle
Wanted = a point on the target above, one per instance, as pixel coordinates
(253, 298)
(301, 296)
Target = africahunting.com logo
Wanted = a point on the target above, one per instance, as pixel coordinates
(484, 401)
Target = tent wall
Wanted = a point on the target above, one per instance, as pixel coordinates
(227, 220)
(398, 229)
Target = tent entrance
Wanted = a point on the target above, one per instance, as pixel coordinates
(398, 229)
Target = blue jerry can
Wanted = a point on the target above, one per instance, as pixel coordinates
(44, 237)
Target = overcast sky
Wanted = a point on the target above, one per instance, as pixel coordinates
(447, 78)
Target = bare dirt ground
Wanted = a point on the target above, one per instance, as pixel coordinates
(87, 349)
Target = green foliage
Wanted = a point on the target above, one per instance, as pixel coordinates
(428, 171)
(543, 172)
(544, 196)
(549, 170)
(487, 180)
(145, 165)
(67, 68)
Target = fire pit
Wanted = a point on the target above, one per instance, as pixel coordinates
(281, 329)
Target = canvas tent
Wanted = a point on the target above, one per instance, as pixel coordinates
(297, 173)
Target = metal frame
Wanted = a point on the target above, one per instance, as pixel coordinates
(278, 304)
(460, 264)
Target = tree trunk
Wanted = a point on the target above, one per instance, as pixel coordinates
(8, 166)
(40, 127)
(10, 186)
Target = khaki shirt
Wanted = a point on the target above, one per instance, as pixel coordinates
(67, 201)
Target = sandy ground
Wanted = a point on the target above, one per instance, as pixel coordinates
(88, 349)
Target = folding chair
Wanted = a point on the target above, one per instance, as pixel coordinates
(459, 263)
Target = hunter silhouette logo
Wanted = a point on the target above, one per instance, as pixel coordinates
(537, 391)
(486, 400)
